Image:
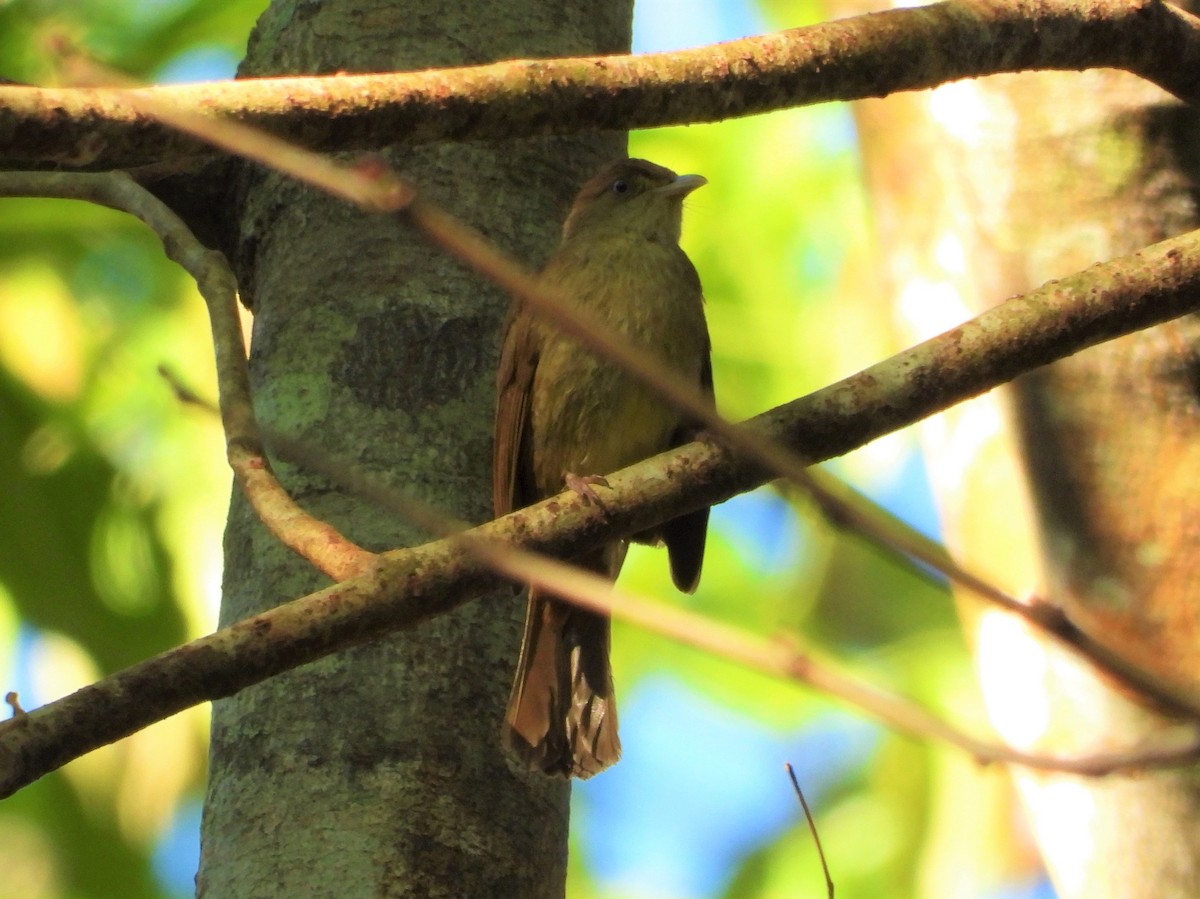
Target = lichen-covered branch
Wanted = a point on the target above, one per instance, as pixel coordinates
(1062, 318)
(865, 56)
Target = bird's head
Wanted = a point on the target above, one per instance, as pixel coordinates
(634, 197)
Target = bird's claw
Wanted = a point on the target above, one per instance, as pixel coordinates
(583, 485)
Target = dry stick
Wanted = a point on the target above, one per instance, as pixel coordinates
(184, 393)
(373, 186)
(1159, 283)
(311, 538)
(812, 828)
(848, 509)
(848, 59)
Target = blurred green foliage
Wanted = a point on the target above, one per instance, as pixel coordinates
(137, 37)
(113, 494)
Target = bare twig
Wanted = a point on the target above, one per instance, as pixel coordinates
(369, 184)
(184, 393)
(849, 59)
(783, 658)
(841, 502)
(812, 828)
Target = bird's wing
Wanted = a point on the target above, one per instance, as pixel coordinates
(512, 485)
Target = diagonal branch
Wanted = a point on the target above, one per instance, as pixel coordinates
(1064, 317)
(849, 59)
(781, 658)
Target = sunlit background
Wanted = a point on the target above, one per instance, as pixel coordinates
(114, 496)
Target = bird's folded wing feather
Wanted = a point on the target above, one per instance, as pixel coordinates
(511, 479)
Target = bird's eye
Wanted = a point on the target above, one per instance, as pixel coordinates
(620, 187)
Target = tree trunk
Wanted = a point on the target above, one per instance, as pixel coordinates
(378, 772)
(1079, 483)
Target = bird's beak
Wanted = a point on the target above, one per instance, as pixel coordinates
(681, 186)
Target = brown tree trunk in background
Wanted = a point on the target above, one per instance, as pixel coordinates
(378, 772)
(1082, 481)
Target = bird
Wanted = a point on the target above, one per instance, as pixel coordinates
(565, 416)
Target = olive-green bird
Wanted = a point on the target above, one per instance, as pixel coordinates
(563, 415)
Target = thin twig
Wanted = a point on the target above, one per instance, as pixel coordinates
(184, 393)
(841, 503)
(783, 658)
(844, 505)
(812, 828)
(369, 183)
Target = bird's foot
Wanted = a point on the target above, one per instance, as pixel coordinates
(583, 485)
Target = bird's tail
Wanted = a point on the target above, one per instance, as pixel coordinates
(562, 714)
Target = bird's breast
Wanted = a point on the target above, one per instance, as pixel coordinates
(588, 416)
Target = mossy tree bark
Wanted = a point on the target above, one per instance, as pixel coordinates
(378, 772)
